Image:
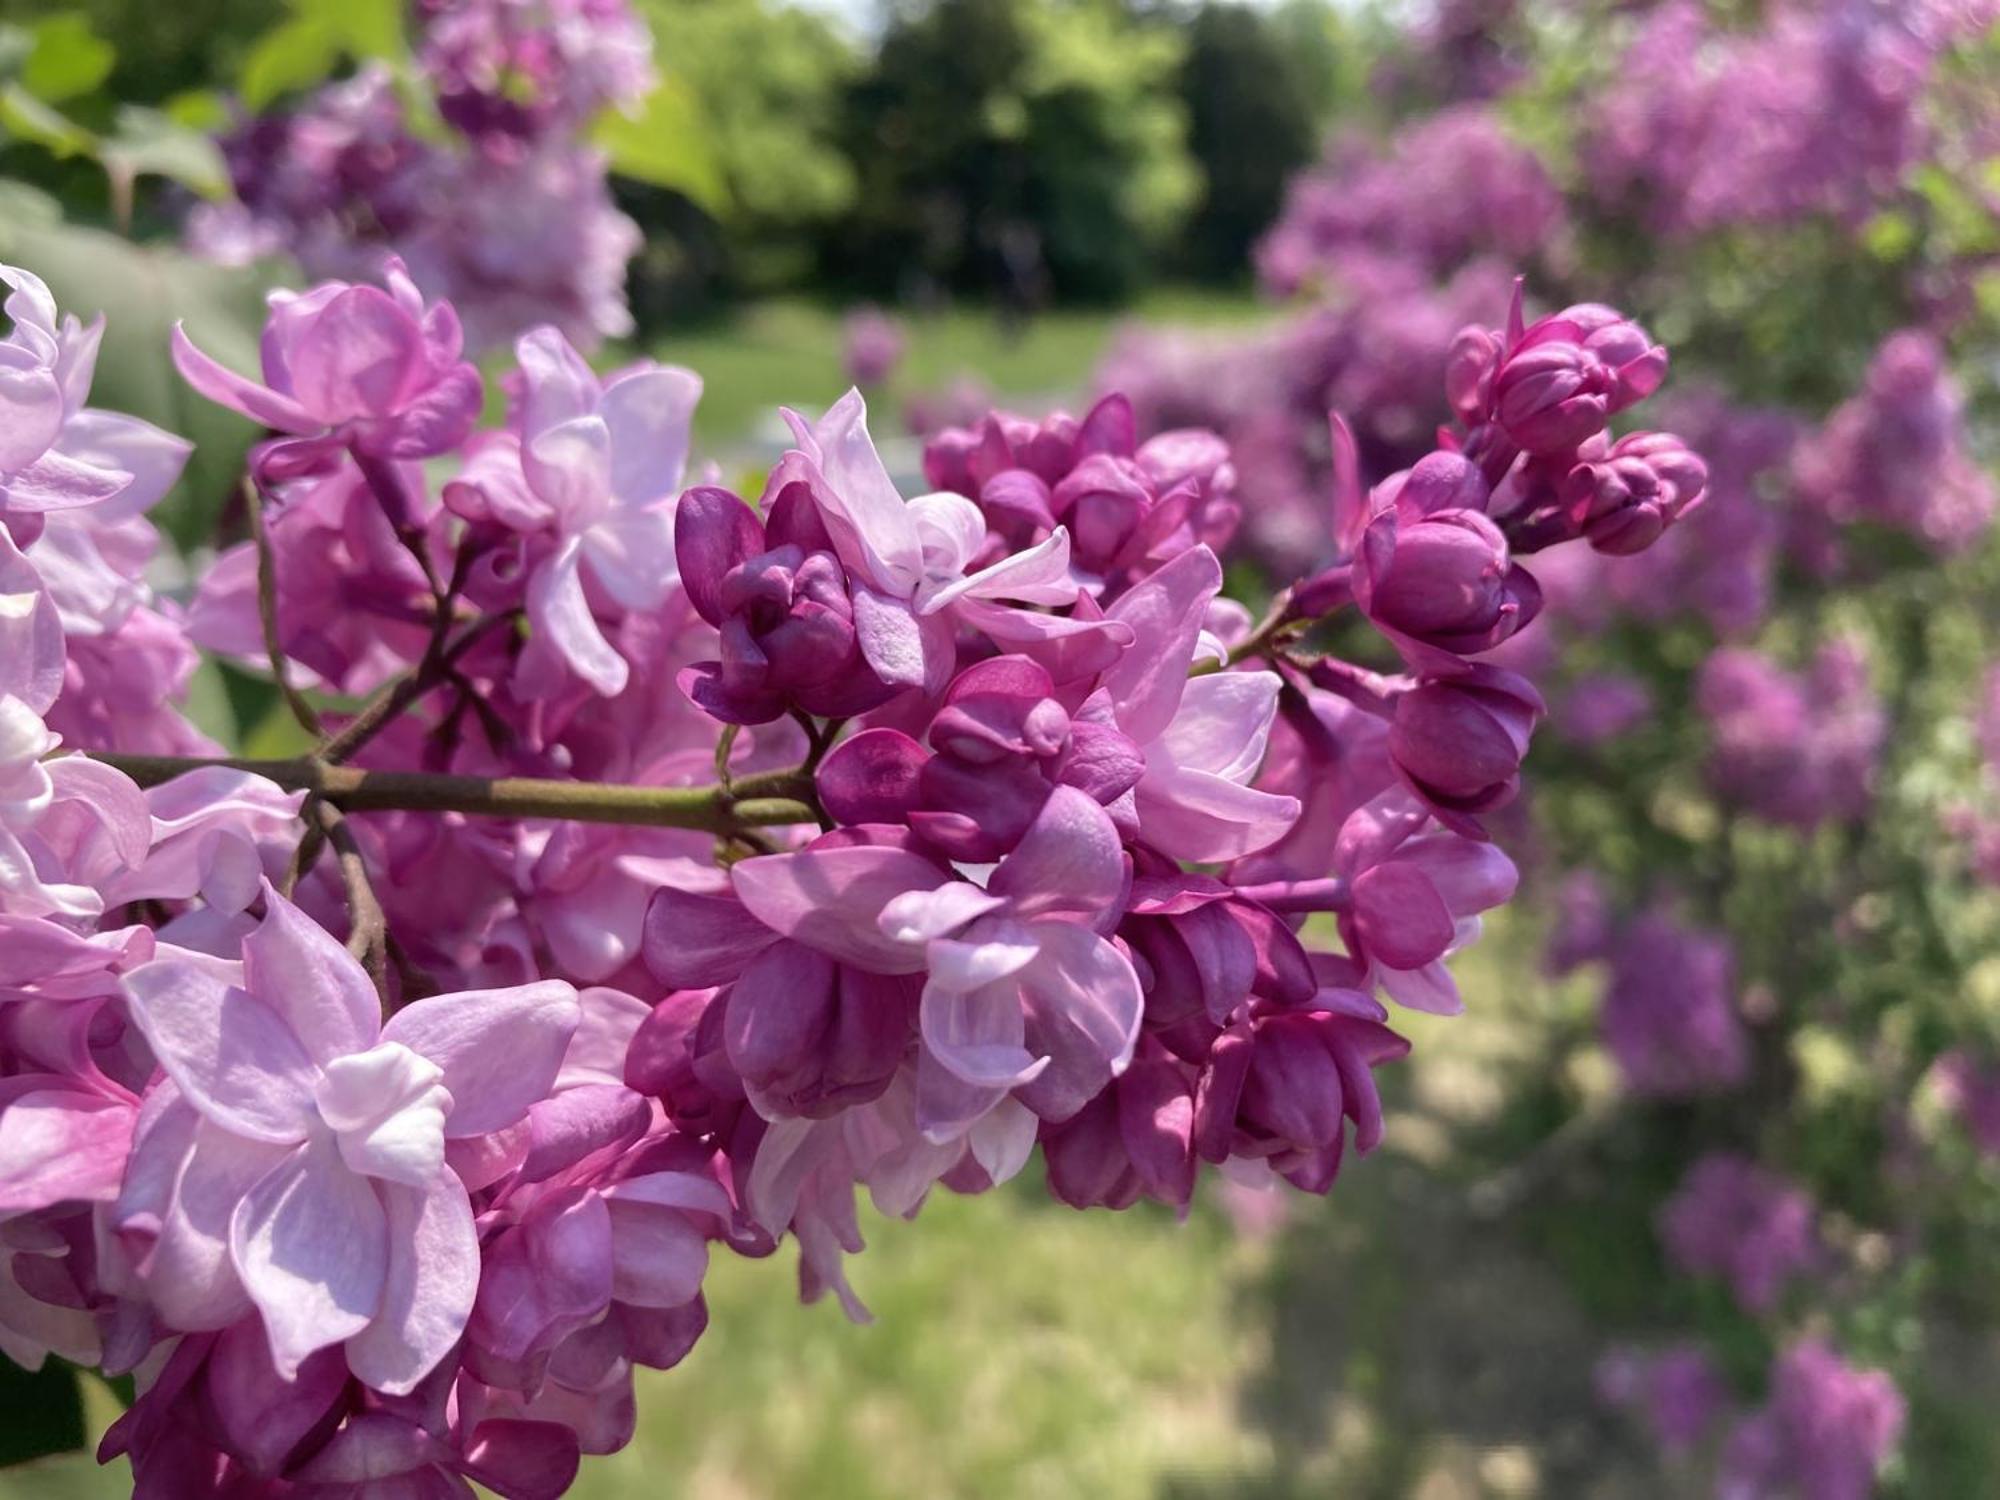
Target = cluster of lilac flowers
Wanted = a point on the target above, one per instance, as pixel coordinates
(1793, 748)
(1825, 1427)
(690, 866)
(1816, 113)
(1733, 1219)
(502, 208)
(1482, 195)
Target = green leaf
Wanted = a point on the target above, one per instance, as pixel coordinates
(293, 55)
(44, 1412)
(665, 144)
(148, 142)
(306, 48)
(25, 116)
(68, 59)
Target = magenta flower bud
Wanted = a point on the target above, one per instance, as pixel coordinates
(1442, 577)
(784, 612)
(1134, 1140)
(811, 1037)
(1622, 502)
(1568, 374)
(1468, 373)
(1281, 1088)
(1458, 742)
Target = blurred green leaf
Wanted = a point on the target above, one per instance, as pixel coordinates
(25, 116)
(198, 109)
(306, 48)
(665, 145)
(149, 142)
(68, 59)
(44, 1412)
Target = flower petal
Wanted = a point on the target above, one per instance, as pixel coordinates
(428, 1287)
(311, 1244)
(500, 1049)
(832, 899)
(308, 977)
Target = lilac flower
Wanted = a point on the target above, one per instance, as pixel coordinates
(1020, 993)
(1798, 749)
(1972, 1092)
(297, 1163)
(1282, 1088)
(1128, 507)
(1731, 1218)
(1677, 1391)
(1414, 897)
(603, 464)
(1446, 188)
(1669, 1012)
(350, 368)
(58, 455)
(1134, 1139)
(1458, 741)
(1826, 1430)
(1897, 453)
(872, 345)
(508, 71)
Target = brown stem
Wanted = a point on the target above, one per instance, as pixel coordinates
(397, 695)
(768, 799)
(1276, 628)
(267, 611)
(367, 924)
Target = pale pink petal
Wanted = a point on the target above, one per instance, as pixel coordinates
(56, 481)
(1223, 724)
(184, 1238)
(891, 638)
(1195, 816)
(919, 916)
(305, 974)
(989, 952)
(631, 554)
(569, 466)
(31, 634)
(226, 388)
(559, 385)
(152, 457)
(311, 1244)
(360, 358)
(1084, 1006)
(1070, 860)
(1038, 575)
(500, 1049)
(650, 414)
(1165, 613)
(428, 1288)
(833, 899)
(561, 616)
(1003, 1139)
(950, 532)
(233, 1057)
(871, 526)
(978, 1035)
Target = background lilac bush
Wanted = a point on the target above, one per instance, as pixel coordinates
(1729, 1134)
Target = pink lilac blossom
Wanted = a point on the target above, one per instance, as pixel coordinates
(509, 217)
(689, 867)
(1669, 1014)
(1825, 1431)
(872, 345)
(1676, 1391)
(1733, 1219)
(1897, 453)
(1794, 748)
(1818, 112)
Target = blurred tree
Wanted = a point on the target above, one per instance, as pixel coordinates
(1026, 147)
(766, 80)
(1250, 100)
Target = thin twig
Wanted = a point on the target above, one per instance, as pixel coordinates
(267, 611)
(367, 926)
(401, 692)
